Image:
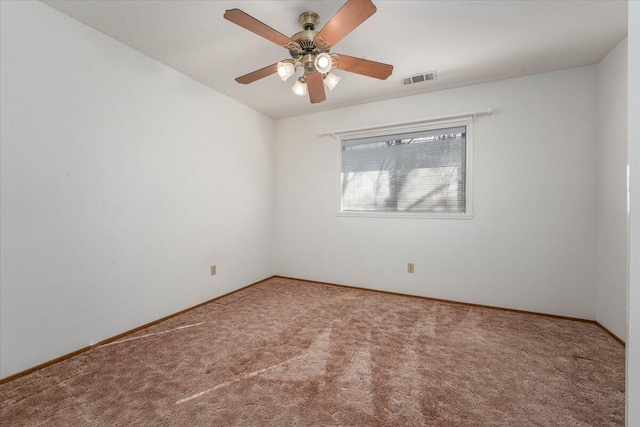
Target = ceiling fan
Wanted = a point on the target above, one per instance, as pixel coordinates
(311, 50)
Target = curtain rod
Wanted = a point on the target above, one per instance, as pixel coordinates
(474, 114)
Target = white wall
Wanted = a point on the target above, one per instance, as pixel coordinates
(531, 245)
(612, 191)
(122, 181)
(633, 332)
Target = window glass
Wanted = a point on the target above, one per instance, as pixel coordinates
(406, 171)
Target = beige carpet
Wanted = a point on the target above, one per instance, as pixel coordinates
(287, 352)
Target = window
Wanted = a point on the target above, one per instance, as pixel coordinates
(418, 171)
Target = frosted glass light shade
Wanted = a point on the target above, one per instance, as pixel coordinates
(300, 87)
(285, 70)
(331, 80)
(323, 63)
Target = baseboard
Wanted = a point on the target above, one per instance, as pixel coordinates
(119, 336)
(614, 336)
(512, 310)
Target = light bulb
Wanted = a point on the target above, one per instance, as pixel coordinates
(331, 80)
(323, 63)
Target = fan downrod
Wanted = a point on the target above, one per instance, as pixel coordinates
(308, 20)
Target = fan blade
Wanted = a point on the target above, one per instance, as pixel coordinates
(258, 74)
(250, 23)
(316, 88)
(365, 67)
(352, 14)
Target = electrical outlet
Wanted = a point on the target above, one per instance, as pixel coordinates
(410, 267)
(213, 270)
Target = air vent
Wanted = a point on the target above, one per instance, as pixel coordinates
(419, 78)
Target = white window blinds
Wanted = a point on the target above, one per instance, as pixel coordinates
(411, 171)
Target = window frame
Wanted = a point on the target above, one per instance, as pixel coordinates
(426, 125)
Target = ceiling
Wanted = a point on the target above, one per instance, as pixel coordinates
(466, 42)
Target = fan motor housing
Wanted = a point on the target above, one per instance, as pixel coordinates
(306, 37)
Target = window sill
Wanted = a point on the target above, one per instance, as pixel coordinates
(406, 215)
